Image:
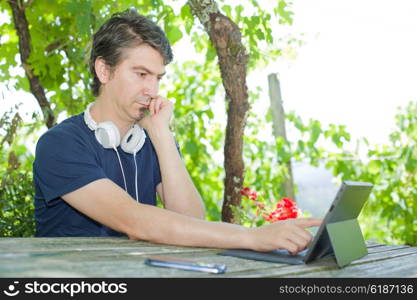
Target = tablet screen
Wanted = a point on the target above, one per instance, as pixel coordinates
(347, 205)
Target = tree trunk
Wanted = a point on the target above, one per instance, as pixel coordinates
(22, 29)
(226, 38)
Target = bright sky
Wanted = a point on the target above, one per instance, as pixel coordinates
(357, 66)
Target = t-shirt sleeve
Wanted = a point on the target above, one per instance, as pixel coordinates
(64, 162)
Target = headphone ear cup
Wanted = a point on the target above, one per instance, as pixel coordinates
(134, 139)
(107, 134)
(88, 119)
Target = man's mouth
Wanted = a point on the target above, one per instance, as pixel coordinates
(144, 105)
(145, 100)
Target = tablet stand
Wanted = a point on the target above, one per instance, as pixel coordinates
(347, 241)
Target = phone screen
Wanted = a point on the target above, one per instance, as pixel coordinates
(185, 264)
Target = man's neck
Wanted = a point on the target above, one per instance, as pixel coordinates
(104, 110)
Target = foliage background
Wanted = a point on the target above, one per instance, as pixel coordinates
(61, 32)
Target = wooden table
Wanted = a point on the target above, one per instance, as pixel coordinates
(119, 257)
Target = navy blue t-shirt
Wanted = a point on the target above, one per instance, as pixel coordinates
(68, 157)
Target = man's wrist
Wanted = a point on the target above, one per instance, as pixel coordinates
(244, 238)
(159, 134)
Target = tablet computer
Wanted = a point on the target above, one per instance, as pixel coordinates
(338, 235)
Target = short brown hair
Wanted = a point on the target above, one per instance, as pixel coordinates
(125, 30)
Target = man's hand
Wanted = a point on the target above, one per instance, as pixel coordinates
(176, 190)
(290, 235)
(160, 113)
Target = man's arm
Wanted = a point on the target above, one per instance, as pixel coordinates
(108, 204)
(177, 190)
(105, 202)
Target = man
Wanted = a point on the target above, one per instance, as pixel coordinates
(84, 167)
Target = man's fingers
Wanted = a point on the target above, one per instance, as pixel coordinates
(304, 234)
(289, 245)
(308, 222)
(158, 105)
(298, 241)
(152, 106)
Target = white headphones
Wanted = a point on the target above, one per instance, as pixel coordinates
(108, 135)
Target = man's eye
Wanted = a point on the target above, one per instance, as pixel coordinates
(141, 74)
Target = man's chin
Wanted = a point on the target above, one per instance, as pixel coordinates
(142, 114)
(139, 118)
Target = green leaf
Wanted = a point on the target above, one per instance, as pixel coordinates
(187, 16)
(284, 13)
(239, 10)
(228, 10)
(174, 34)
(186, 12)
(260, 34)
(211, 53)
(374, 167)
(191, 148)
(316, 130)
(209, 113)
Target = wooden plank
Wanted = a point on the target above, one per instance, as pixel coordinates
(27, 245)
(104, 263)
(380, 253)
(18, 245)
(384, 248)
(79, 257)
(46, 245)
(371, 243)
(399, 266)
(326, 266)
(90, 264)
(383, 255)
(115, 257)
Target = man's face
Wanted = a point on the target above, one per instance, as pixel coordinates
(134, 82)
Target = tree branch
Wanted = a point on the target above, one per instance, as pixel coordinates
(22, 29)
(27, 4)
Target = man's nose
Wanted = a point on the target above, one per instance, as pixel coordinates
(151, 88)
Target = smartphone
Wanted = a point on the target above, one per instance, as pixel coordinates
(185, 264)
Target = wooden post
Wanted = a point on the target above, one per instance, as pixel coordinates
(278, 120)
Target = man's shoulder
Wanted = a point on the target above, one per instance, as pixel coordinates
(69, 129)
(73, 124)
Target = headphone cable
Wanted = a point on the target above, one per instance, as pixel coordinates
(136, 176)
(120, 162)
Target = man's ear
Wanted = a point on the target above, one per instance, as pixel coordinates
(102, 70)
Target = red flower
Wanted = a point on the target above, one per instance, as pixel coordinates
(285, 209)
(245, 191)
(253, 196)
(286, 203)
(248, 193)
